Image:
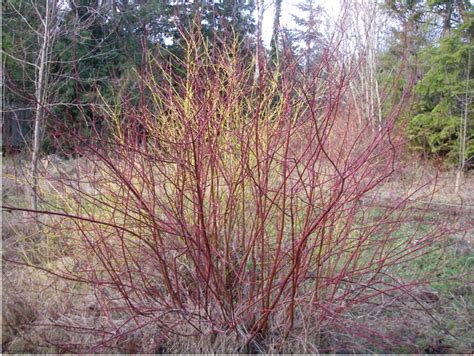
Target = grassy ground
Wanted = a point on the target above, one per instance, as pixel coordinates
(435, 317)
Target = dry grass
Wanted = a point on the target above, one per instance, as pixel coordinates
(36, 304)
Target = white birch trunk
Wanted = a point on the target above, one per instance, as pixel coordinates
(463, 130)
(260, 9)
(41, 85)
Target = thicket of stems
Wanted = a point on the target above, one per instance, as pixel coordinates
(229, 203)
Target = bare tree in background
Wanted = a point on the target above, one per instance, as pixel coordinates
(466, 102)
(367, 23)
(258, 60)
(43, 20)
(46, 36)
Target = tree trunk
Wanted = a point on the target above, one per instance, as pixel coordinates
(463, 129)
(260, 9)
(276, 27)
(41, 85)
(447, 17)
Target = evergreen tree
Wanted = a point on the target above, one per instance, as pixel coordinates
(446, 96)
(309, 33)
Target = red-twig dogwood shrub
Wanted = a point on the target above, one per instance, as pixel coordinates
(219, 202)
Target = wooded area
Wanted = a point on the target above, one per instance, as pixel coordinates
(175, 182)
(67, 58)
